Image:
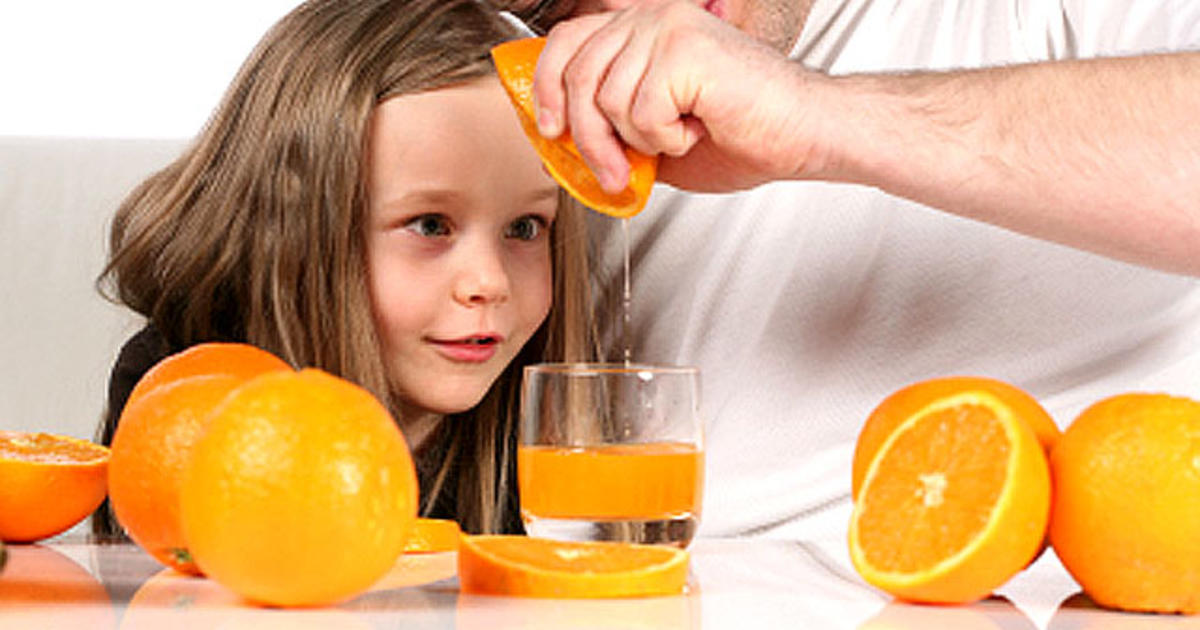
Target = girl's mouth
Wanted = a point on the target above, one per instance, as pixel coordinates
(472, 349)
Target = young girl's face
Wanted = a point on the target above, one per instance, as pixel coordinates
(458, 241)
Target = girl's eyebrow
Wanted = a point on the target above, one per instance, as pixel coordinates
(437, 197)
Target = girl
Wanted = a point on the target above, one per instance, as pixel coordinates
(363, 201)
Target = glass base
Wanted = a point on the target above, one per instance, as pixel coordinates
(676, 532)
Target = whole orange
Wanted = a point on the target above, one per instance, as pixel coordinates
(150, 452)
(48, 483)
(1126, 516)
(218, 357)
(301, 492)
(908, 401)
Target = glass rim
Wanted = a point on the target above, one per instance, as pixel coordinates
(595, 369)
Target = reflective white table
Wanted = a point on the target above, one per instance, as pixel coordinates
(734, 583)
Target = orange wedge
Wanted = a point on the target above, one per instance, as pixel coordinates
(906, 401)
(515, 62)
(431, 535)
(535, 567)
(49, 483)
(955, 502)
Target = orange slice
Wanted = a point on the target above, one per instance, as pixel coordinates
(50, 483)
(431, 535)
(515, 62)
(535, 567)
(953, 504)
(906, 401)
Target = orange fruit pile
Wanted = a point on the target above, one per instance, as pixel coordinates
(955, 500)
(163, 417)
(535, 567)
(50, 483)
(1126, 517)
(301, 491)
(515, 63)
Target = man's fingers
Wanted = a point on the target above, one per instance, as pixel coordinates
(549, 95)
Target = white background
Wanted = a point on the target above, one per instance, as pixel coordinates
(122, 68)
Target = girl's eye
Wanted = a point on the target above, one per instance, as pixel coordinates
(526, 228)
(429, 225)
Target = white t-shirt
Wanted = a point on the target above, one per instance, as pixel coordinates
(805, 304)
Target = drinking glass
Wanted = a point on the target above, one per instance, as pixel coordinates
(611, 452)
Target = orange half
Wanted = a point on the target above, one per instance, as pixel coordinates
(536, 567)
(49, 483)
(515, 63)
(954, 503)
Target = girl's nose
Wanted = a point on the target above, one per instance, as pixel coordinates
(483, 279)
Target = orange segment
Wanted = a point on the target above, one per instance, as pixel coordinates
(953, 504)
(535, 567)
(50, 483)
(432, 535)
(515, 63)
(234, 359)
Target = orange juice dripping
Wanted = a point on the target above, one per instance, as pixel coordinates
(625, 481)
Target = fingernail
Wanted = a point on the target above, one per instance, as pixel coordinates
(547, 123)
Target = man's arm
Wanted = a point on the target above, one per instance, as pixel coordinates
(1102, 155)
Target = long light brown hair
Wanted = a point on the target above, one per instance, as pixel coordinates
(256, 232)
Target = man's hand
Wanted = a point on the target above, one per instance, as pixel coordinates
(725, 111)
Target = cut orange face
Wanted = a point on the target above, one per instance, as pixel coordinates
(902, 404)
(535, 567)
(515, 63)
(954, 502)
(50, 483)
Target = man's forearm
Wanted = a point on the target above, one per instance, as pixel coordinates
(1102, 154)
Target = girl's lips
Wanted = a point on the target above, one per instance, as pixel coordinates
(469, 350)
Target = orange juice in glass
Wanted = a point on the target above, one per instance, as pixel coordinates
(611, 452)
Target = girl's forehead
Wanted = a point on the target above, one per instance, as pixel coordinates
(464, 138)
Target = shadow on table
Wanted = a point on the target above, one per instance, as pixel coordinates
(994, 613)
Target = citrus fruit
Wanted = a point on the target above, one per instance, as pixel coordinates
(902, 404)
(235, 359)
(516, 61)
(1126, 513)
(954, 502)
(536, 567)
(301, 492)
(432, 535)
(50, 483)
(150, 452)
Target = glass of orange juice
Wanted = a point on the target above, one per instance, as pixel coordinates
(611, 452)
